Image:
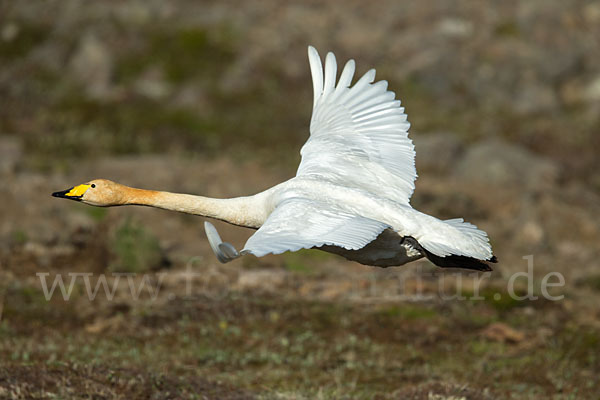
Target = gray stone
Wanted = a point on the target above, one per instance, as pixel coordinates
(498, 163)
(11, 154)
(9, 32)
(92, 65)
(534, 97)
(592, 91)
(152, 84)
(437, 152)
(455, 27)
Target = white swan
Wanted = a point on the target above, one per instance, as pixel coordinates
(350, 195)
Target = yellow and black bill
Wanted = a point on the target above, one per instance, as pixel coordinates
(74, 193)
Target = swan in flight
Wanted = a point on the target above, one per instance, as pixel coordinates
(350, 195)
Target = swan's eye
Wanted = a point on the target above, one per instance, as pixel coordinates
(93, 185)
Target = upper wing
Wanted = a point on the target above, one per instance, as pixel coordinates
(359, 134)
(299, 223)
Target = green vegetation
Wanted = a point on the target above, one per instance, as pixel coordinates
(593, 282)
(409, 312)
(304, 261)
(22, 37)
(19, 237)
(135, 249)
(182, 54)
(508, 28)
(24, 304)
(97, 213)
(501, 300)
(288, 343)
(129, 127)
(262, 116)
(251, 117)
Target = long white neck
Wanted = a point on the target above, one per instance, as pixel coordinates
(250, 211)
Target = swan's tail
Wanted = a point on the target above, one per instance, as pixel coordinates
(454, 261)
(456, 243)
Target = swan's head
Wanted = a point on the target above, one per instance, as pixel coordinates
(99, 192)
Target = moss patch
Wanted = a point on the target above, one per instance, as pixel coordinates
(135, 249)
(182, 54)
(23, 38)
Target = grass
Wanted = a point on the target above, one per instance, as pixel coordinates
(234, 122)
(133, 126)
(96, 213)
(26, 36)
(593, 282)
(255, 120)
(275, 345)
(501, 300)
(136, 250)
(182, 54)
(251, 117)
(19, 237)
(304, 261)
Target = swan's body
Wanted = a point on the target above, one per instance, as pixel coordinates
(350, 195)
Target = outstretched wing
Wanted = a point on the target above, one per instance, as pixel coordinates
(299, 223)
(359, 134)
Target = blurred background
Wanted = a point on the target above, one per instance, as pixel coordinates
(214, 98)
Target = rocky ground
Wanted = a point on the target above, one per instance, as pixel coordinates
(214, 98)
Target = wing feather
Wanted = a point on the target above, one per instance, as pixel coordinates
(358, 134)
(299, 223)
(330, 72)
(316, 70)
(347, 75)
